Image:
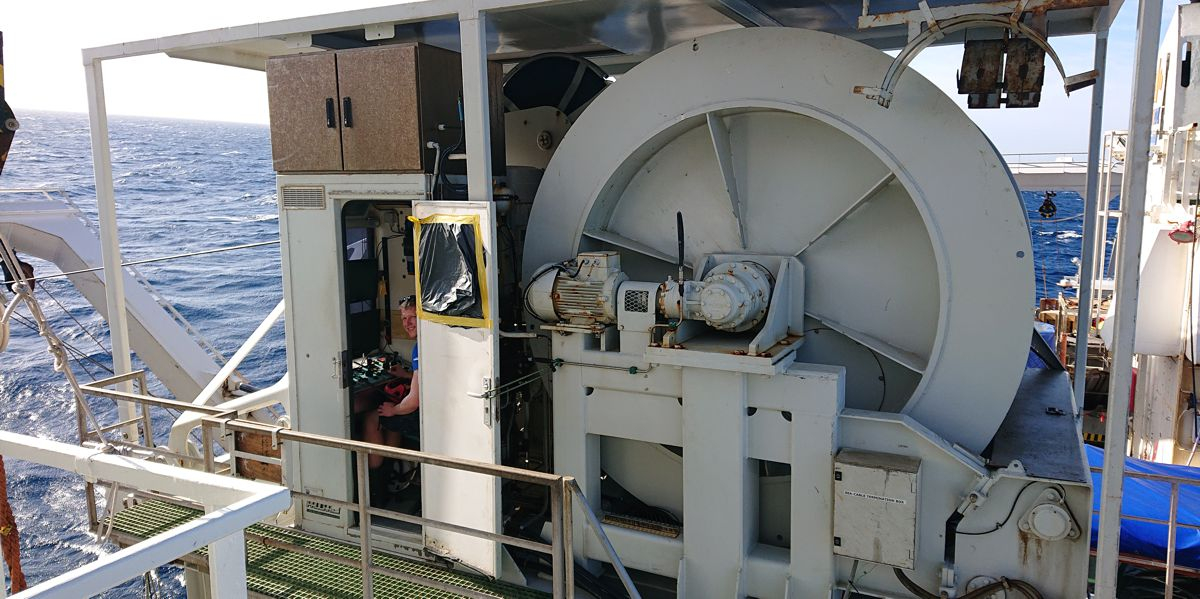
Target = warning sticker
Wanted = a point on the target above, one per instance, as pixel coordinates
(860, 494)
(322, 509)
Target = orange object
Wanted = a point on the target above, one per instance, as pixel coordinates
(395, 390)
(10, 540)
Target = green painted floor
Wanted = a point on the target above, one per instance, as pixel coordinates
(277, 572)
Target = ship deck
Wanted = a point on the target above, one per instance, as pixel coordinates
(283, 562)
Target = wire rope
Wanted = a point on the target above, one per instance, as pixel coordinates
(86, 331)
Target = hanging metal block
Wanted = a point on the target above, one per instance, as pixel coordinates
(1024, 71)
(979, 79)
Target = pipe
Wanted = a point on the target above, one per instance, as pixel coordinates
(189, 421)
(227, 370)
(1133, 200)
(1087, 274)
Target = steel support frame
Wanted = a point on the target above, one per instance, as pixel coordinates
(110, 242)
(236, 504)
(1133, 205)
(1091, 204)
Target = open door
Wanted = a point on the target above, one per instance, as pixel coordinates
(457, 344)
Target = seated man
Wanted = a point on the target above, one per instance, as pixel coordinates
(391, 420)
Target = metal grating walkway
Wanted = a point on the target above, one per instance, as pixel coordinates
(280, 572)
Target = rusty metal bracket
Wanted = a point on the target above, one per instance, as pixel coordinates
(883, 94)
(930, 20)
(1017, 13)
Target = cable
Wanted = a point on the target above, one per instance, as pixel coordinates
(29, 324)
(68, 313)
(159, 259)
(913, 587)
(525, 294)
(1011, 509)
(1004, 584)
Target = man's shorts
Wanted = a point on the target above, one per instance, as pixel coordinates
(408, 425)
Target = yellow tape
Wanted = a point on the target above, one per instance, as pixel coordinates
(1, 75)
(480, 275)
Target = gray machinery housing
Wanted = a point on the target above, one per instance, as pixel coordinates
(816, 381)
(821, 378)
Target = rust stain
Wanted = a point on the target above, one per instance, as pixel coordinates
(1030, 547)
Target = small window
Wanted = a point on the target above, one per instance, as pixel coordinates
(451, 281)
(358, 243)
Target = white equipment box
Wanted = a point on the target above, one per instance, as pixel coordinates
(875, 507)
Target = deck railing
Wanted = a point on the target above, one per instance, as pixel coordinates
(565, 494)
(1172, 523)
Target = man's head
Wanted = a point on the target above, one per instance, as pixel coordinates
(408, 315)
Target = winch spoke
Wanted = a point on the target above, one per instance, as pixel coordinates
(631, 245)
(898, 355)
(721, 146)
(863, 199)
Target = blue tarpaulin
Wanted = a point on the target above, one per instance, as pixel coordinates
(1152, 499)
(1046, 330)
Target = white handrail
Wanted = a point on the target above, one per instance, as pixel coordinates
(237, 503)
(189, 421)
(227, 370)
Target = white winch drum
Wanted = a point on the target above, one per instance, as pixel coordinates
(923, 292)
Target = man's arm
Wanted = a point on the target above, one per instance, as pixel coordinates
(412, 401)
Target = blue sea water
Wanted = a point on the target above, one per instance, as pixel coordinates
(183, 186)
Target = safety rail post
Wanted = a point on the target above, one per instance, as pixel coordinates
(147, 425)
(556, 533)
(1169, 592)
(568, 547)
(364, 522)
(1091, 204)
(207, 439)
(1133, 200)
(622, 573)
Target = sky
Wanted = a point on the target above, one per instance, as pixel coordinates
(43, 67)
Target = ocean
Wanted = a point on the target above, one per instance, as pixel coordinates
(183, 186)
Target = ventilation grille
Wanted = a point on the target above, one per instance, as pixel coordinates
(310, 197)
(637, 301)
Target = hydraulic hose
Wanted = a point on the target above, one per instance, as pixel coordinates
(982, 592)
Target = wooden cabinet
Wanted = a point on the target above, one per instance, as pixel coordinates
(302, 92)
(369, 109)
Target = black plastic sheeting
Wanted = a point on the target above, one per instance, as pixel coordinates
(449, 270)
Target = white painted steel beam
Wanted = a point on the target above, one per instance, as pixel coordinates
(227, 567)
(1133, 203)
(246, 502)
(1091, 205)
(472, 27)
(110, 242)
(227, 370)
(188, 421)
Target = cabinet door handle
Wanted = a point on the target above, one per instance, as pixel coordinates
(347, 113)
(330, 118)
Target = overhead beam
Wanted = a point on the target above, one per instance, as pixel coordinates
(744, 13)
